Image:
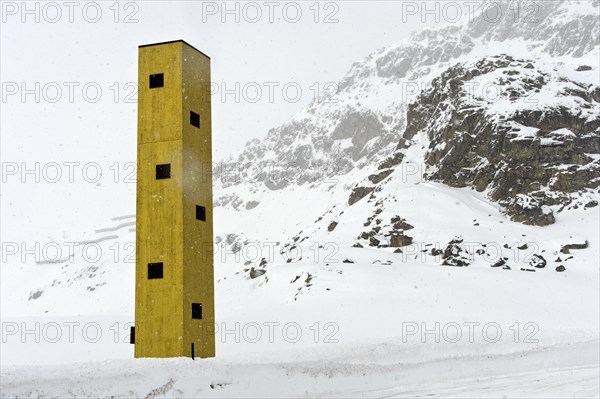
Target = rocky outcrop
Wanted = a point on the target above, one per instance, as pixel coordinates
(398, 239)
(384, 234)
(566, 249)
(254, 273)
(537, 261)
(378, 177)
(530, 146)
(359, 193)
(455, 254)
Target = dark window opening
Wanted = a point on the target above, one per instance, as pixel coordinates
(163, 171)
(193, 354)
(200, 213)
(196, 311)
(155, 270)
(194, 119)
(132, 335)
(157, 80)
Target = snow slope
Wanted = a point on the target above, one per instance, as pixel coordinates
(348, 318)
(554, 372)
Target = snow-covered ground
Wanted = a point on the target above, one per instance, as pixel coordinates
(348, 371)
(332, 315)
(387, 324)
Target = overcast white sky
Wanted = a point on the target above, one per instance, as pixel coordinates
(305, 52)
(69, 56)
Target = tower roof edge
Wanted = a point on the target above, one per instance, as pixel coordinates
(174, 41)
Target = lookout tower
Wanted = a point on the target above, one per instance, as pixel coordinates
(174, 292)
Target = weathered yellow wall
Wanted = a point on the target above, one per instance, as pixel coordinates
(198, 236)
(166, 228)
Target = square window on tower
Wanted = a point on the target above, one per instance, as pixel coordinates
(155, 270)
(197, 311)
(163, 171)
(200, 213)
(194, 119)
(157, 80)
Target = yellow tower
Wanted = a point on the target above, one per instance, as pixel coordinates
(174, 293)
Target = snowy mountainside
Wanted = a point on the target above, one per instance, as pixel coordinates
(524, 132)
(375, 196)
(330, 156)
(410, 218)
(557, 27)
(363, 122)
(537, 75)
